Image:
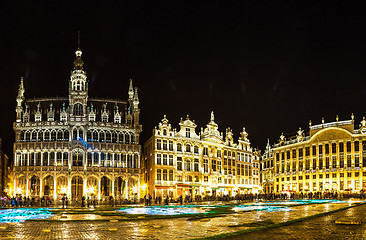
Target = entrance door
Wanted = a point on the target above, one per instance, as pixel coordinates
(76, 188)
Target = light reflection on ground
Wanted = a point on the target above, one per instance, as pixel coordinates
(22, 214)
(163, 210)
(261, 208)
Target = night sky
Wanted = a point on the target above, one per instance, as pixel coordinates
(269, 67)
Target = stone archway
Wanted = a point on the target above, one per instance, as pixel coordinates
(105, 186)
(34, 188)
(119, 187)
(76, 188)
(61, 186)
(92, 186)
(21, 185)
(48, 187)
(133, 188)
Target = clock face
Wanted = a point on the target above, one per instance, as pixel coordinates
(363, 131)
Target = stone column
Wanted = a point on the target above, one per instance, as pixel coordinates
(99, 187)
(54, 189)
(85, 187)
(27, 190)
(112, 187)
(126, 186)
(69, 188)
(40, 186)
(138, 190)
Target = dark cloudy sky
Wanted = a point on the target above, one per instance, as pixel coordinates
(270, 66)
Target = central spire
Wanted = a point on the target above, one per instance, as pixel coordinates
(78, 63)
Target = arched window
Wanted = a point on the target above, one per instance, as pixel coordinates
(95, 136)
(78, 109)
(53, 136)
(96, 159)
(66, 135)
(195, 149)
(27, 136)
(77, 158)
(188, 148)
(21, 136)
(89, 136)
(75, 134)
(179, 147)
(46, 136)
(108, 136)
(114, 137)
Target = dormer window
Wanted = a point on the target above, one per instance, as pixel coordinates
(188, 132)
(38, 117)
(164, 132)
(26, 117)
(105, 118)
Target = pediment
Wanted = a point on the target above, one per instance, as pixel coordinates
(331, 134)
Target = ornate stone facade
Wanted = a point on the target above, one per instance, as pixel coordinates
(331, 157)
(185, 163)
(78, 146)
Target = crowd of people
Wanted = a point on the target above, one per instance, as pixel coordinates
(45, 201)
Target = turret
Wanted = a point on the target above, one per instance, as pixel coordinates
(78, 86)
(130, 92)
(20, 99)
(136, 110)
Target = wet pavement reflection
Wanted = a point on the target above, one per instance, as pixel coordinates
(93, 226)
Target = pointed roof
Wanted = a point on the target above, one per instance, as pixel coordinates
(130, 90)
(78, 62)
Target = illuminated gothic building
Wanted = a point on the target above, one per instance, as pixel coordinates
(78, 146)
(184, 163)
(330, 157)
(267, 173)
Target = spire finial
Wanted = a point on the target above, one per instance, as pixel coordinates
(212, 116)
(79, 40)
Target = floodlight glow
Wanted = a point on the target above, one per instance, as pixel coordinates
(19, 190)
(91, 189)
(63, 190)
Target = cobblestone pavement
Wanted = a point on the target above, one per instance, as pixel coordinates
(179, 228)
(321, 228)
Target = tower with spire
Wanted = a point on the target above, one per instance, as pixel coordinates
(92, 135)
(78, 87)
(20, 100)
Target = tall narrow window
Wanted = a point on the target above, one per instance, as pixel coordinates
(78, 109)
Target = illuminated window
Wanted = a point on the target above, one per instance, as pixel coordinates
(205, 151)
(165, 175)
(158, 159)
(179, 164)
(171, 145)
(171, 160)
(348, 146)
(357, 146)
(334, 148)
(78, 109)
(158, 174)
(165, 145)
(188, 148)
(158, 144)
(165, 160)
(170, 175)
